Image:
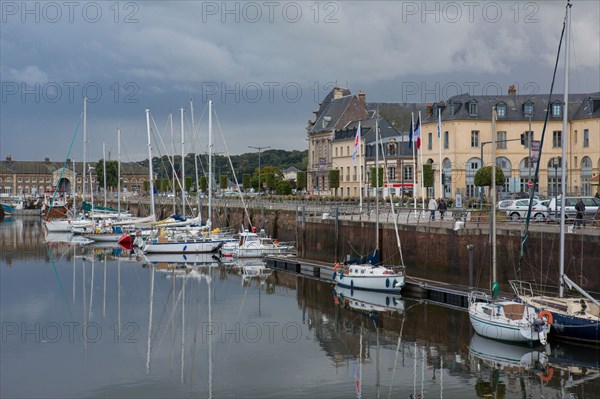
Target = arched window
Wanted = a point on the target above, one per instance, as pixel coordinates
(586, 175)
(472, 166)
(506, 166)
(554, 176)
(447, 177)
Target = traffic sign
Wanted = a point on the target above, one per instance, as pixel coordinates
(530, 184)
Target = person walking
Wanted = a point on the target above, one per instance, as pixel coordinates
(580, 208)
(432, 206)
(442, 208)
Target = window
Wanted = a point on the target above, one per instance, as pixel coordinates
(48, 180)
(429, 141)
(446, 140)
(556, 110)
(451, 110)
(27, 180)
(586, 137)
(34, 179)
(556, 139)
(473, 108)
(528, 109)
(354, 177)
(392, 173)
(19, 179)
(501, 141)
(501, 110)
(528, 137)
(392, 148)
(408, 173)
(474, 138)
(347, 150)
(336, 152)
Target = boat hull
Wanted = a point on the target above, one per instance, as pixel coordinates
(153, 246)
(390, 283)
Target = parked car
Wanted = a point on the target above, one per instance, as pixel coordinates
(517, 209)
(592, 204)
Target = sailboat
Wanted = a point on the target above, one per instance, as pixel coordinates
(504, 320)
(574, 318)
(182, 241)
(369, 273)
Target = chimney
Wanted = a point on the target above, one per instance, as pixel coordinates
(362, 96)
(47, 160)
(338, 92)
(9, 158)
(512, 90)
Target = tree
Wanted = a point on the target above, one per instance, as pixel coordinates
(188, 183)
(223, 182)
(483, 177)
(112, 173)
(270, 179)
(284, 188)
(246, 182)
(427, 176)
(301, 180)
(203, 184)
(334, 180)
(373, 177)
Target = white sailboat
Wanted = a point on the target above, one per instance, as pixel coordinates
(573, 318)
(504, 320)
(182, 241)
(371, 274)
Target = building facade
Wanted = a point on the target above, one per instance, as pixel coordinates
(464, 145)
(31, 178)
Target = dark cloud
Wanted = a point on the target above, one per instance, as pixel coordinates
(265, 65)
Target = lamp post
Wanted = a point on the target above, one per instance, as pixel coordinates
(529, 144)
(259, 150)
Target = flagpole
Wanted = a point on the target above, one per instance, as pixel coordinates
(421, 153)
(440, 147)
(360, 165)
(412, 144)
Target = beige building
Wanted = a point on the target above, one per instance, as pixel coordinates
(466, 140)
(465, 144)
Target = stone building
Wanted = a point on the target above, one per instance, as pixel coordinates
(32, 178)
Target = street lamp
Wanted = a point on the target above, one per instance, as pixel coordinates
(259, 150)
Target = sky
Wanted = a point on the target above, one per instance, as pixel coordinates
(265, 65)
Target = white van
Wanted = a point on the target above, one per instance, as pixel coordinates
(591, 207)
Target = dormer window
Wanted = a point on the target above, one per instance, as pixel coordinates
(528, 109)
(326, 121)
(473, 108)
(501, 110)
(451, 110)
(556, 110)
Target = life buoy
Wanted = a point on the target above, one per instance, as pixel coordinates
(276, 242)
(547, 315)
(546, 377)
(336, 266)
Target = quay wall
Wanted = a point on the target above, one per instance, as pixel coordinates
(430, 250)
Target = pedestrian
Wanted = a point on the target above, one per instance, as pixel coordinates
(442, 208)
(432, 206)
(580, 208)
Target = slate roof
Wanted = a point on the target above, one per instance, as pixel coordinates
(457, 107)
(334, 113)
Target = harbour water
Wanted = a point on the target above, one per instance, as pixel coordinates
(87, 321)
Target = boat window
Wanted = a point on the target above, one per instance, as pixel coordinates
(362, 271)
(487, 311)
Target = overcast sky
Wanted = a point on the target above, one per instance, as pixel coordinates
(265, 65)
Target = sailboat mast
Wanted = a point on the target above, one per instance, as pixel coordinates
(119, 173)
(210, 177)
(493, 210)
(377, 182)
(195, 158)
(182, 166)
(563, 164)
(74, 190)
(104, 169)
(150, 164)
(84, 148)
(173, 165)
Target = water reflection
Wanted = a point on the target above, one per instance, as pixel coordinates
(131, 327)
